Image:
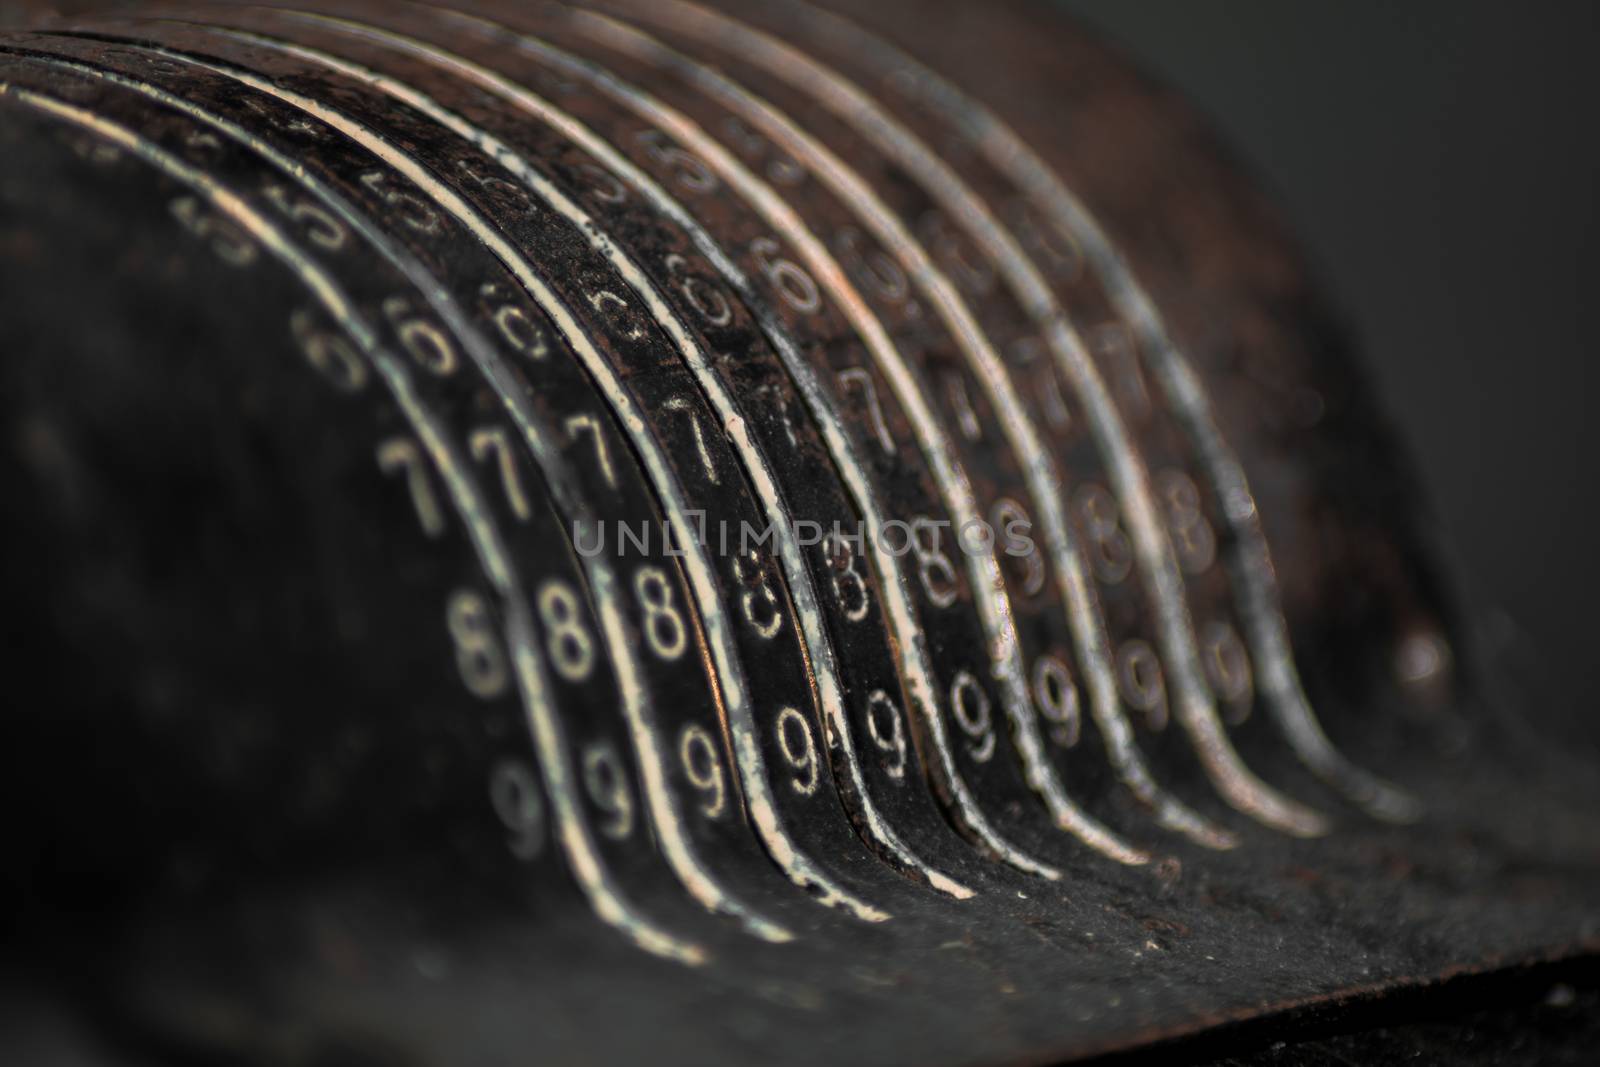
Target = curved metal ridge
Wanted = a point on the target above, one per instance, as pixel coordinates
(662, 266)
(758, 468)
(772, 208)
(531, 672)
(1250, 558)
(1044, 479)
(800, 868)
(637, 701)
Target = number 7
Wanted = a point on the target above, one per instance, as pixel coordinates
(577, 423)
(859, 377)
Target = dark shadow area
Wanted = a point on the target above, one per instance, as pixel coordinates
(1439, 160)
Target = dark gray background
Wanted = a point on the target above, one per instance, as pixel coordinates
(1439, 160)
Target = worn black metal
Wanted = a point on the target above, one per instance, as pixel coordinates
(334, 339)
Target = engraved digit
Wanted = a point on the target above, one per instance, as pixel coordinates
(780, 168)
(479, 657)
(495, 183)
(607, 786)
(412, 211)
(752, 575)
(330, 353)
(891, 740)
(937, 573)
(223, 237)
(493, 443)
(567, 640)
(427, 345)
(688, 171)
(1008, 517)
(604, 185)
(1056, 411)
(1140, 679)
(703, 768)
(804, 761)
(849, 582)
(664, 630)
(796, 287)
(601, 298)
(861, 379)
(516, 329)
(321, 228)
(402, 454)
(1109, 550)
(974, 715)
(1112, 345)
(1057, 696)
(1048, 242)
(949, 247)
(874, 269)
(577, 423)
(704, 296)
(961, 402)
(678, 403)
(1227, 667)
(1193, 539)
(514, 794)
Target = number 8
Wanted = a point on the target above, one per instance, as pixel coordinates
(571, 648)
(663, 626)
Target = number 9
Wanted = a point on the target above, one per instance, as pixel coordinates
(608, 788)
(703, 769)
(804, 762)
(973, 713)
(895, 743)
(516, 800)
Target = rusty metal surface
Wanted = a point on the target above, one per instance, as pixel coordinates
(333, 337)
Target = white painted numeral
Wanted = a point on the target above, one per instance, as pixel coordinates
(330, 354)
(974, 714)
(758, 602)
(226, 240)
(1227, 667)
(479, 657)
(525, 336)
(607, 785)
(858, 377)
(319, 226)
(402, 455)
(1057, 697)
(427, 344)
(678, 403)
(934, 569)
(703, 767)
(514, 795)
(1141, 682)
(793, 284)
(845, 575)
(493, 444)
(1100, 520)
(664, 630)
(887, 732)
(799, 750)
(578, 423)
(413, 212)
(569, 643)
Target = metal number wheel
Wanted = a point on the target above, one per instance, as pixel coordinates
(652, 530)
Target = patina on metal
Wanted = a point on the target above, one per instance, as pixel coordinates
(688, 531)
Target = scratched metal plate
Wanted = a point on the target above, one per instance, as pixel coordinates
(370, 372)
